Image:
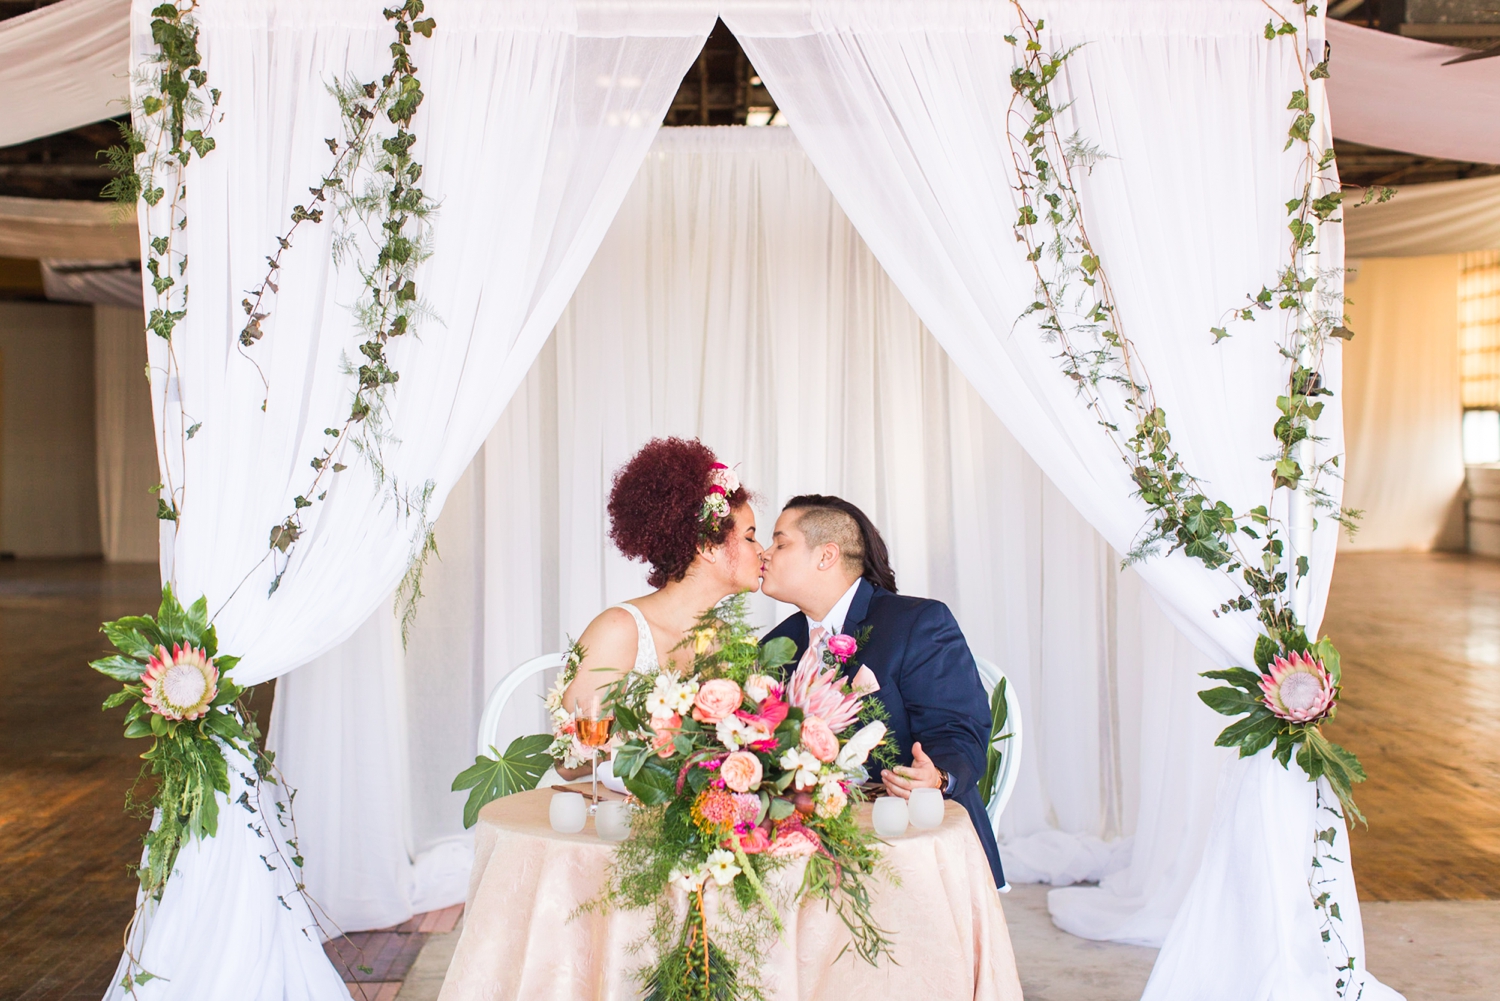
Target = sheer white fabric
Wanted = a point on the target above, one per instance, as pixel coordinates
(1395, 93)
(732, 299)
(1449, 217)
(571, 94)
(63, 66)
(900, 107)
(124, 453)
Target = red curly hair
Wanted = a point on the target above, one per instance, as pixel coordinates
(655, 504)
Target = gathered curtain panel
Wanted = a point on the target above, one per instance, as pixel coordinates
(900, 106)
(62, 66)
(535, 119)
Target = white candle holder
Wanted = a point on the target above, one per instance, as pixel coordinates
(567, 812)
(926, 806)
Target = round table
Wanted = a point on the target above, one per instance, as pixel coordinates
(523, 936)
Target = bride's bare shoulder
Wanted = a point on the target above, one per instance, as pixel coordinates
(610, 636)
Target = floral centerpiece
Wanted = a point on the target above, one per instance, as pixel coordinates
(739, 774)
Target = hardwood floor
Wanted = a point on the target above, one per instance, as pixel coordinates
(1419, 636)
(65, 839)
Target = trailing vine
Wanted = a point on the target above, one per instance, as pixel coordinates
(170, 122)
(1297, 682)
(391, 207)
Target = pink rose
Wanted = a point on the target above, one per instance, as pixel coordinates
(741, 771)
(752, 842)
(665, 728)
(793, 843)
(864, 681)
(716, 699)
(842, 646)
(819, 739)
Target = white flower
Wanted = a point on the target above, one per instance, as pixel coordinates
(831, 799)
(682, 697)
(721, 866)
(805, 765)
(723, 476)
(858, 747)
(688, 881)
(733, 733)
(758, 686)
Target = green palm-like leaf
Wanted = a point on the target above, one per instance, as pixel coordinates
(518, 769)
(999, 713)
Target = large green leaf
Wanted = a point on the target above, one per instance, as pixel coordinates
(1238, 677)
(999, 713)
(124, 669)
(1229, 701)
(518, 769)
(1255, 730)
(1329, 655)
(1266, 649)
(777, 652)
(129, 638)
(654, 784)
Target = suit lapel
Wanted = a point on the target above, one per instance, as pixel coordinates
(859, 609)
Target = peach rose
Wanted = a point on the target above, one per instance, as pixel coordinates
(665, 728)
(819, 739)
(793, 843)
(716, 699)
(741, 771)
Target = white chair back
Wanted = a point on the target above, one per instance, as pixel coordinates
(494, 706)
(1010, 749)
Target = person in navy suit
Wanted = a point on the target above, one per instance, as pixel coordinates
(829, 560)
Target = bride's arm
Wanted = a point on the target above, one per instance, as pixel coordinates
(609, 645)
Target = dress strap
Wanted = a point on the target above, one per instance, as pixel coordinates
(645, 644)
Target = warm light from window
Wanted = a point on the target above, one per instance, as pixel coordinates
(1481, 437)
(1479, 330)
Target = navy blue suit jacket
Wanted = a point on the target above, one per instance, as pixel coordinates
(929, 685)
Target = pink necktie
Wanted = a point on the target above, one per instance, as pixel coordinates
(814, 652)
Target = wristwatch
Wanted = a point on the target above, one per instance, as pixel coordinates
(943, 779)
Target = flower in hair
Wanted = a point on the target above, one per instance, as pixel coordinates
(722, 483)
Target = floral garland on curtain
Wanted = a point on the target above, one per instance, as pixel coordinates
(1296, 684)
(175, 684)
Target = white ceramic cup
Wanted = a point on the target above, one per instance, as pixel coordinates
(926, 807)
(567, 812)
(612, 821)
(890, 816)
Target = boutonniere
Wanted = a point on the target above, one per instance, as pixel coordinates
(842, 652)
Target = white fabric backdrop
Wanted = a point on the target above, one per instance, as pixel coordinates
(123, 448)
(732, 299)
(573, 94)
(1403, 411)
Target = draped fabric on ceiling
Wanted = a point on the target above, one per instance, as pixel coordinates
(63, 66)
(1395, 93)
(572, 94)
(733, 300)
(897, 104)
(1449, 217)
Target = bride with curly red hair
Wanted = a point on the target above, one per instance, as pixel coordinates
(676, 507)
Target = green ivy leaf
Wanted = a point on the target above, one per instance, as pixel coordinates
(518, 769)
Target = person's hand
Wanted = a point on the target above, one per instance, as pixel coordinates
(920, 774)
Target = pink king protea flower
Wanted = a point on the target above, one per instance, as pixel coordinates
(1299, 688)
(180, 684)
(821, 693)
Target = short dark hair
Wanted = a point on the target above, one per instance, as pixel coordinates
(875, 559)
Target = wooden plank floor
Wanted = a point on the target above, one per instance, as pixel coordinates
(1419, 636)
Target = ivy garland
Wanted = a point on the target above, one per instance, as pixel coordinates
(394, 209)
(1297, 682)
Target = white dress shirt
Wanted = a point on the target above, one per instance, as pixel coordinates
(833, 622)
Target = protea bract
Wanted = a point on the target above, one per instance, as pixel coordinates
(181, 684)
(1299, 688)
(822, 693)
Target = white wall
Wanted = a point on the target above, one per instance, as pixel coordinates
(48, 487)
(126, 446)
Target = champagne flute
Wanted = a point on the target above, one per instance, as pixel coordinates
(593, 732)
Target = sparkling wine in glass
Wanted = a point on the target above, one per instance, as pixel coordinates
(593, 731)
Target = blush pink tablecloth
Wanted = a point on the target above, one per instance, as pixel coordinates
(521, 941)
